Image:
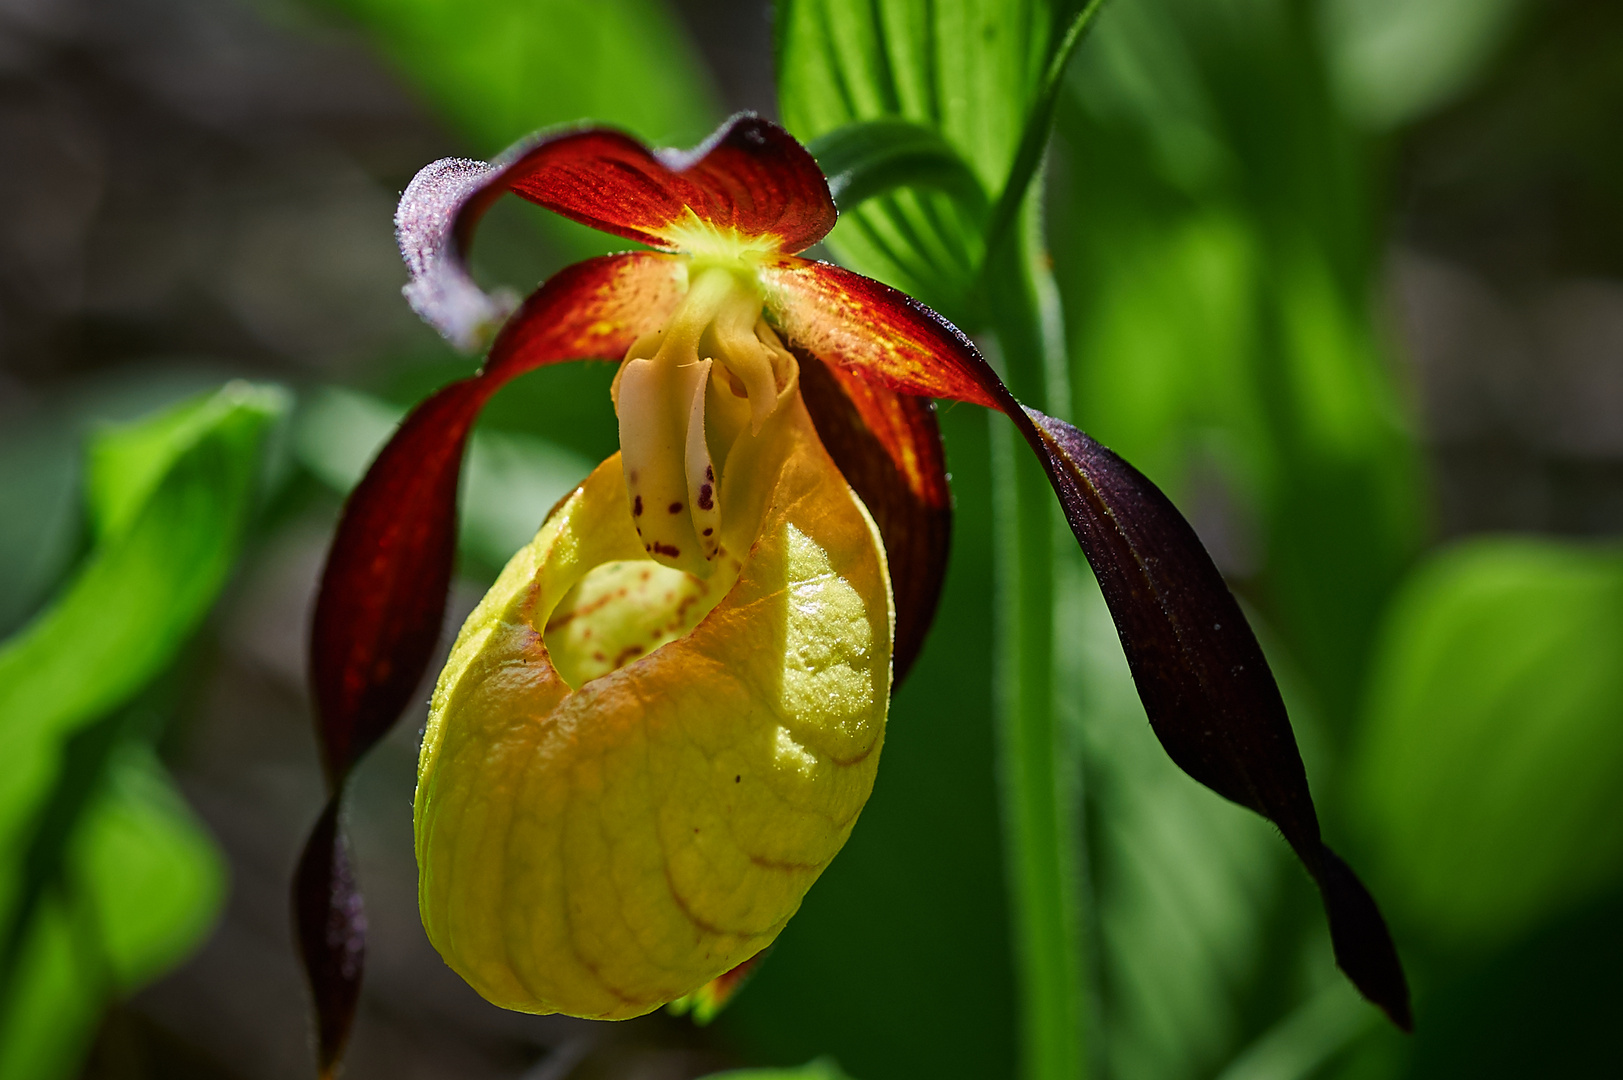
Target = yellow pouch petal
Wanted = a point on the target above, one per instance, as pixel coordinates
(604, 849)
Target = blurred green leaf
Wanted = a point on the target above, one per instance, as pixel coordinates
(974, 70)
(500, 69)
(144, 588)
(104, 878)
(1490, 772)
(1211, 229)
(153, 874)
(511, 480)
(143, 885)
(821, 1069)
(39, 515)
(1395, 60)
(1300, 1045)
(1184, 881)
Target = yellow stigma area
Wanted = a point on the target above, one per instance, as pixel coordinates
(694, 401)
(711, 243)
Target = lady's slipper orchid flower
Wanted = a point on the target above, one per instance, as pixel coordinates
(662, 721)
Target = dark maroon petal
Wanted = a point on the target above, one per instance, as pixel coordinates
(888, 447)
(331, 926)
(750, 179)
(383, 591)
(1206, 687)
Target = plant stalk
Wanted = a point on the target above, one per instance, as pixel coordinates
(1039, 773)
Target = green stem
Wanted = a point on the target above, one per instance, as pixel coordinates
(1039, 776)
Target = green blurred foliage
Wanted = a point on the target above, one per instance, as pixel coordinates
(1488, 771)
(501, 69)
(1214, 239)
(106, 878)
(1393, 61)
(820, 1069)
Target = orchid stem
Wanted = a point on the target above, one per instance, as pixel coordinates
(1039, 775)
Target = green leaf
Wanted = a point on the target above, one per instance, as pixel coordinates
(1299, 1046)
(1183, 880)
(980, 73)
(104, 878)
(1209, 231)
(871, 158)
(154, 876)
(144, 885)
(144, 588)
(821, 1069)
(1490, 774)
(1396, 60)
(501, 69)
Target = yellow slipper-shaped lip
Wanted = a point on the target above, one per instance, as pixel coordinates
(601, 850)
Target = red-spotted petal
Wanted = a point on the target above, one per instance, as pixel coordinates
(383, 591)
(749, 184)
(885, 335)
(888, 447)
(1206, 686)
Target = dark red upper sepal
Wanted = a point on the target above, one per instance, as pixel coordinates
(888, 447)
(883, 334)
(383, 592)
(750, 178)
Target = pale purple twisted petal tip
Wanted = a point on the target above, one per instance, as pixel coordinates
(440, 289)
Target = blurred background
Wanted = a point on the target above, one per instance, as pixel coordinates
(1345, 277)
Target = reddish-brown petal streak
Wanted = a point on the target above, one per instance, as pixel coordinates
(1206, 686)
(888, 447)
(383, 591)
(886, 335)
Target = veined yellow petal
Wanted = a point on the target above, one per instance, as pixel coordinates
(604, 849)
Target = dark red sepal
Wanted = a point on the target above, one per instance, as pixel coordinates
(1205, 684)
(888, 447)
(750, 178)
(330, 922)
(383, 592)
